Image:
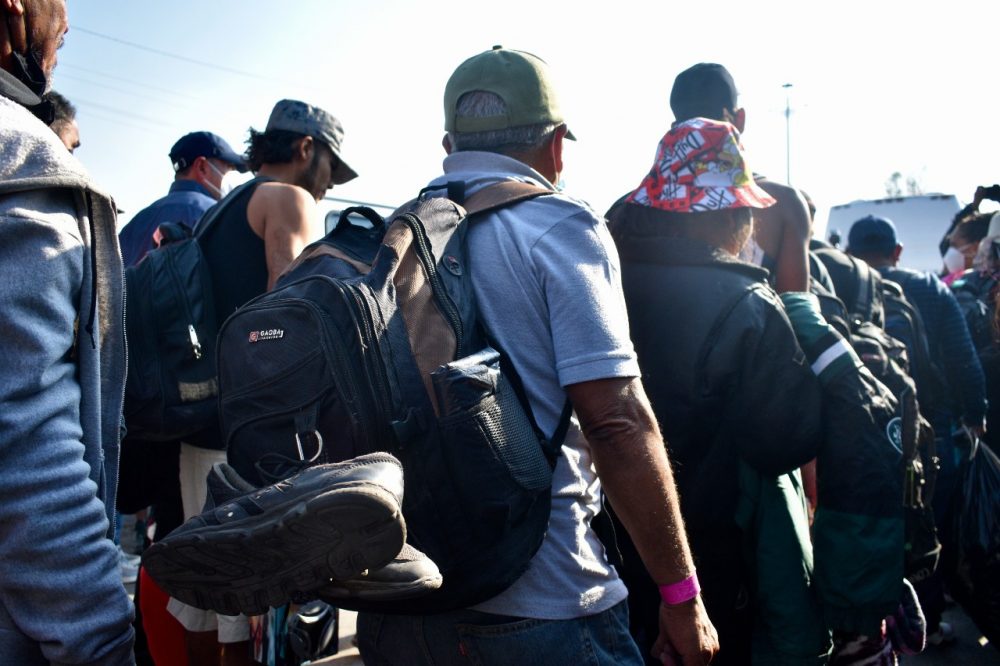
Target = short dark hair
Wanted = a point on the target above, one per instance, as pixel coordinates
(63, 110)
(703, 91)
(270, 147)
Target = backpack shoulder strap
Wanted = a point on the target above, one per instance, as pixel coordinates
(865, 302)
(502, 194)
(215, 212)
(493, 197)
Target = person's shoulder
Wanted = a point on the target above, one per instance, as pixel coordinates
(187, 194)
(277, 205)
(277, 193)
(773, 187)
(559, 206)
(617, 209)
(780, 191)
(185, 207)
(921, 285)
(790, 205)
(166, 201)
(42, 203)
(761, 296)
(925, 278)
(49, 214)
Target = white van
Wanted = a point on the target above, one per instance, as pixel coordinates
(921, 221)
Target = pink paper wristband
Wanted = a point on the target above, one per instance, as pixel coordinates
(678, 593)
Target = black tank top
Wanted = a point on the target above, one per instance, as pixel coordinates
(235, 256)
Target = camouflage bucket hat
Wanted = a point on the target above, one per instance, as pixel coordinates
(295, 116)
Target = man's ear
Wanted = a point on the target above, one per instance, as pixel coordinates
(446, 144)
(15, 7)
(16, 30)
(898, 250)
(304, 149)
(740, 119)
(558, 136)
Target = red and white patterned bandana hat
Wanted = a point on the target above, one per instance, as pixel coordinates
(699, 167)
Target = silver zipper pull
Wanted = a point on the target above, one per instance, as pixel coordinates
(195, 344)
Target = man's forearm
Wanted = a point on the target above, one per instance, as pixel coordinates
(632, 464)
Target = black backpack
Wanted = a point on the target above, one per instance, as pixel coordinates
(857, 311)
(864, 302)
(326, 368)
(170, 329)
(974, 293)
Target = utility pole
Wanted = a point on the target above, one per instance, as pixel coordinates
(788, 134)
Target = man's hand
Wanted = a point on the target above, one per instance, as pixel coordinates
(687, 636)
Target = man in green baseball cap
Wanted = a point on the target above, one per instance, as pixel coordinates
(520, 79)
(546, 280)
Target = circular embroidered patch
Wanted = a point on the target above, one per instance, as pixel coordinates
(894, 432)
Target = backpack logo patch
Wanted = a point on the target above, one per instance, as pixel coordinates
(268, 334)
(894, 433)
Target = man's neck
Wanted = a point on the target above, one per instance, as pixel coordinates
(284, 172)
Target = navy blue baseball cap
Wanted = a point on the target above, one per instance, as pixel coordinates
(204, 144)
(872, 234)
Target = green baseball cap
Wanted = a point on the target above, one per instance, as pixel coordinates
(520, 79)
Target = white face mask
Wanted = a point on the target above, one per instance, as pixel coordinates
(954, 260)
(226, 182)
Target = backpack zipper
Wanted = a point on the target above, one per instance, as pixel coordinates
(192, 333)
(361, 310)
(441, 296)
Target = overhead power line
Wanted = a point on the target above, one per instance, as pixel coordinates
(118, 122)
(160, 99)
(86, 103)
(175, 56)
(141, 84)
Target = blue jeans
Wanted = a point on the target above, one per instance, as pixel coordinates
(484, 639)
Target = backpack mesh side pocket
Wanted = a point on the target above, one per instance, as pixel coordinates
(480, 410)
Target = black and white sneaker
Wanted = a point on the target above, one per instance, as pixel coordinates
(258, 548)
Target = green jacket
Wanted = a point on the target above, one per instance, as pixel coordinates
(773, 516)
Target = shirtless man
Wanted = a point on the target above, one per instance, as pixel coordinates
(296, 159)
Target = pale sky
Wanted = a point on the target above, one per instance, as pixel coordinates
(878, 86)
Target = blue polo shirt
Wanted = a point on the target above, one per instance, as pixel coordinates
(185, 203)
